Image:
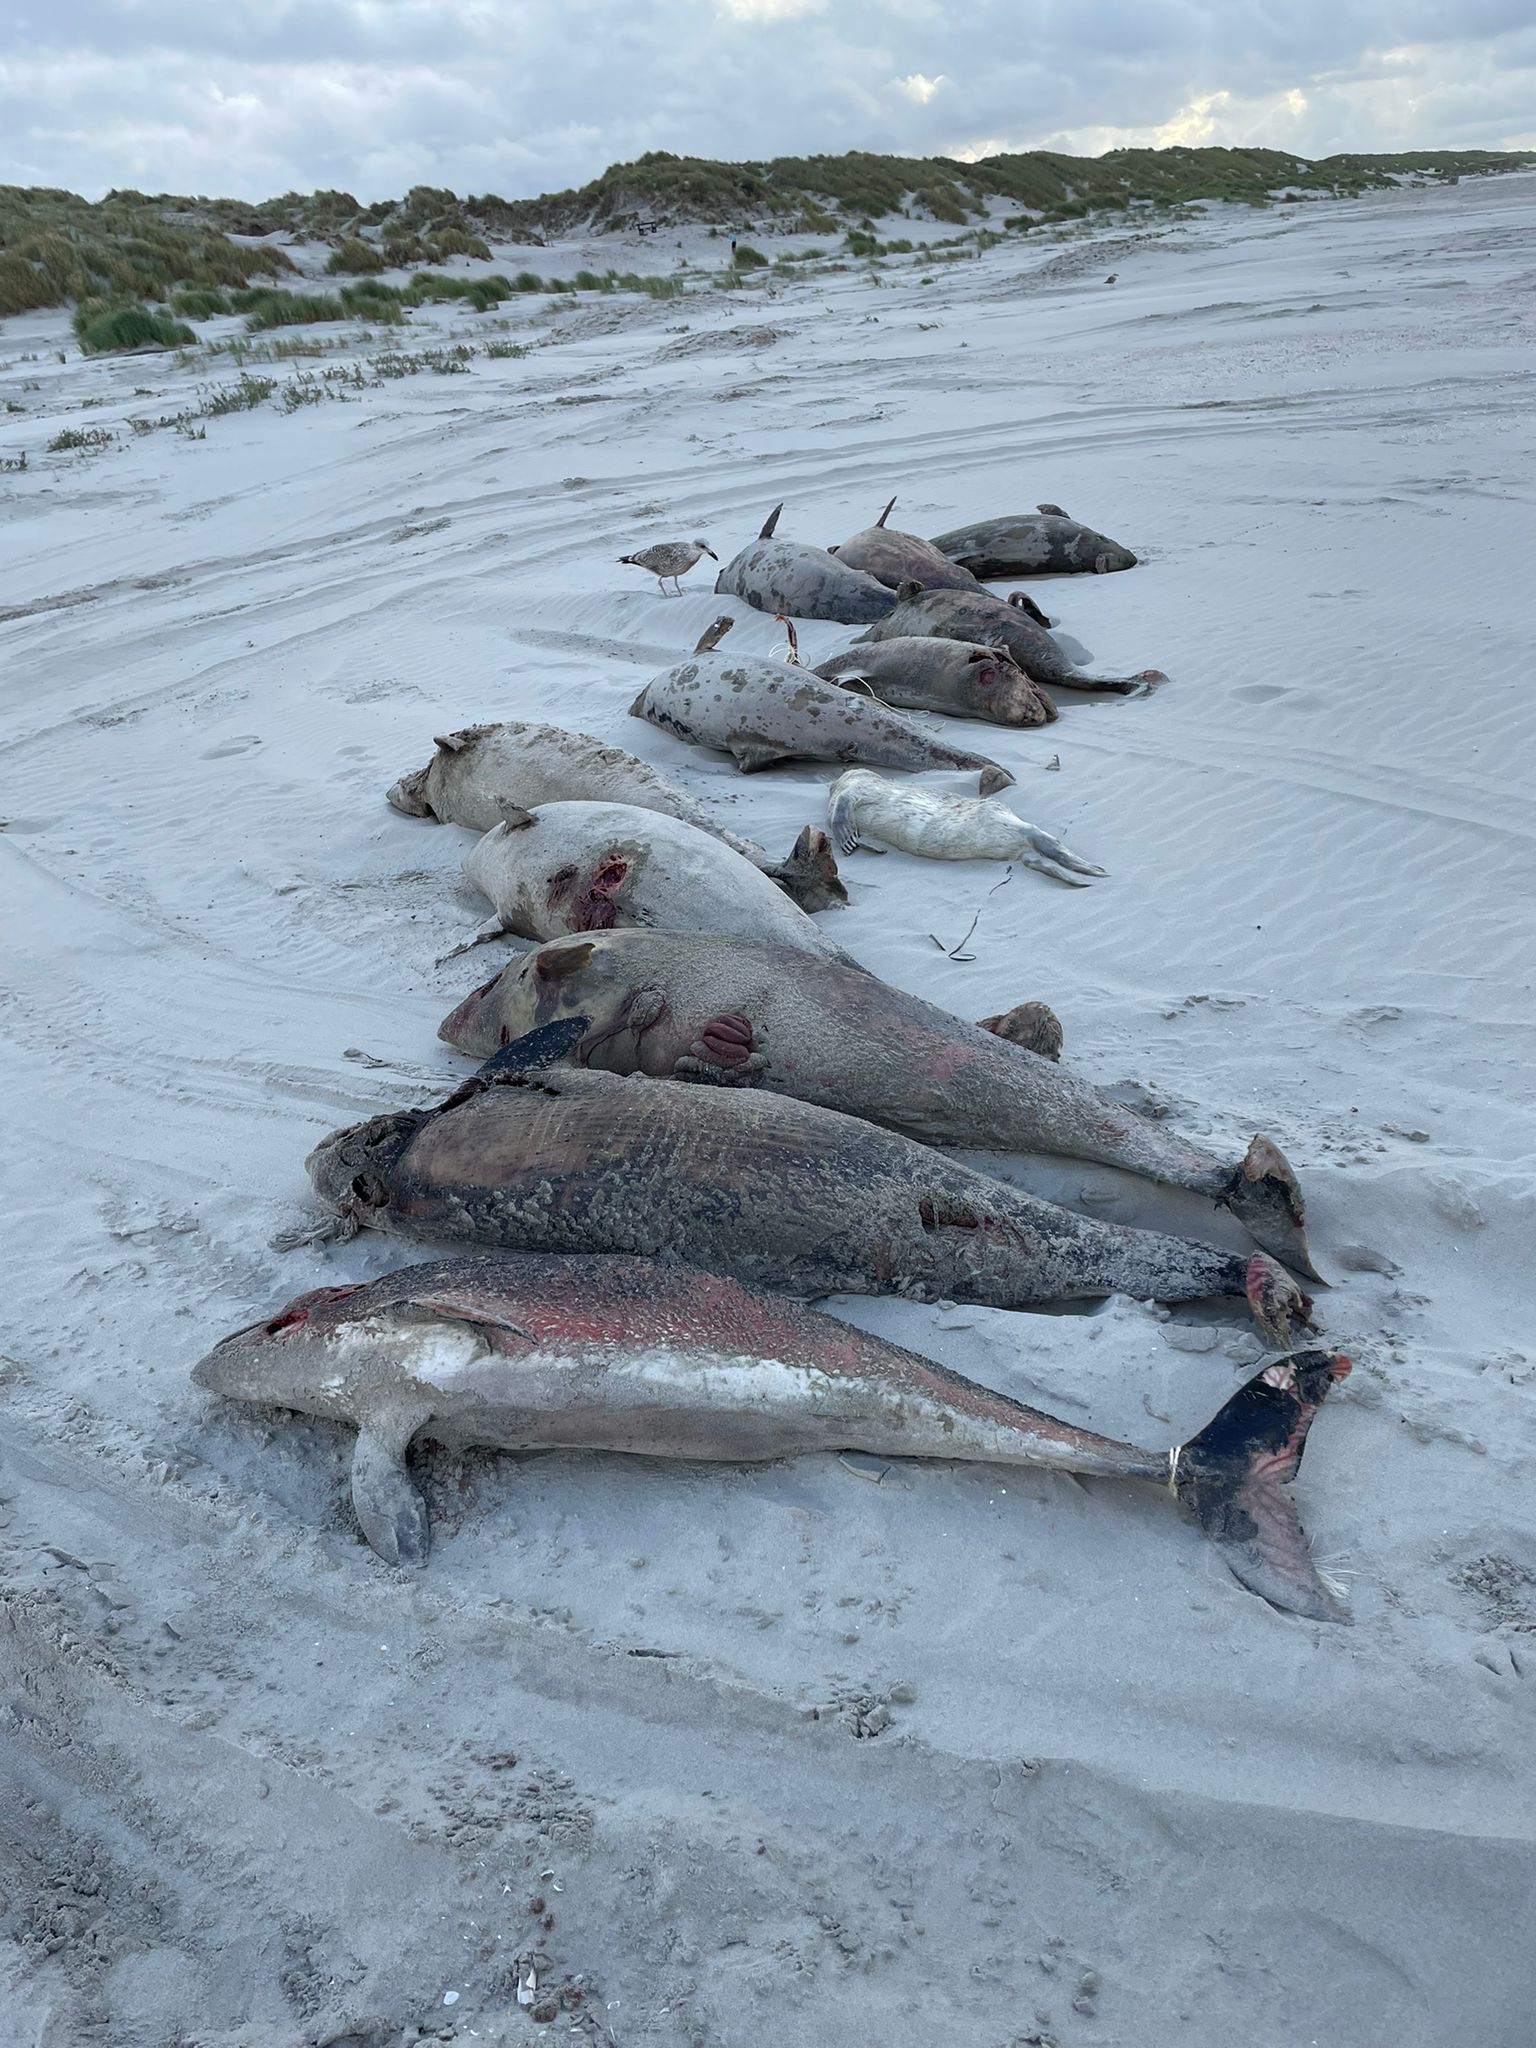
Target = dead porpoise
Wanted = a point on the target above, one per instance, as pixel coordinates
(774, 1192)
(1044, 542)
(953, 677)
(481, 773)
(985, 620)
(763, 712)
(895, 558)
(667, 1004)
(804, 582)
(622, 1355)
(583, 867)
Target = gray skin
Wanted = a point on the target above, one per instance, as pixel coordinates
(764, 712)
(770, 1191)
(954, 677)
(1040, 543)
(896, 558)
(979, 617)
(581, 867)
(744, 1011)
(787, 577)
(480, 774)
(621, 1355)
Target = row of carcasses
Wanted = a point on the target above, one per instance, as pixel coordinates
(633, 1213)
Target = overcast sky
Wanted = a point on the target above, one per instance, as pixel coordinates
(250, 98)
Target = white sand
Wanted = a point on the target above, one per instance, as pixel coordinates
(258, 1789)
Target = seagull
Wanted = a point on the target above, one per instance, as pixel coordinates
(672, 558)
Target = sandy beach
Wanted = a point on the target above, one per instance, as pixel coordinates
(823, 1752)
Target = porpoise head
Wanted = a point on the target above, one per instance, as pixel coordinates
(410, 795)
(287, 1360)
(570, 977)
(350, 1169)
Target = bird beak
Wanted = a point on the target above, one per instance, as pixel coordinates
(711, 554)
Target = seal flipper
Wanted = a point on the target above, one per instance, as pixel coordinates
(808, 876)
(1231, 1480)
(842, 821)
(1266, 1199)
(390, 1512)
(1138, 685)
(1048, 855)
(771, 522)
(495, 928)
(754, 754)
(1023, 602)
(1034, 1027)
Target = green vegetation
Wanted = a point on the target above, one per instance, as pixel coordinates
(457, 242)
(745, 257)
(82, 438)
(57, 250)
(242, 397)
(101, 329)
(353, 257)
(200, 302)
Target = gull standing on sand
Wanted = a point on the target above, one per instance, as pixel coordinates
(672, 558)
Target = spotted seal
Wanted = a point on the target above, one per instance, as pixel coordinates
(483, 772)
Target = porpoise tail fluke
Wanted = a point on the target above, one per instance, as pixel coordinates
(1232, 1477)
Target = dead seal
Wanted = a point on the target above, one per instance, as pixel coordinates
(1044, 542)
(768, 1190)
(865, 809)
(482, 772)
(894, 558)
(622, 1355)
(669, 1005)
(805, 582)
(763, 712)
(953, 677)
(985, 620)
(582, 867)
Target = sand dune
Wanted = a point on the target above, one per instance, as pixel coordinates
(259, 1789)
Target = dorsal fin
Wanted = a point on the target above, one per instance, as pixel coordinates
(890, 508)
(712, 635)
(771, 522)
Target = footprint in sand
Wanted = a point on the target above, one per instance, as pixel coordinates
(225, 748)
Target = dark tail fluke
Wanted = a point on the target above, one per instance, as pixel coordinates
(1232, 1477)
(808, 876)
(544, 1046)
(1266, 1198)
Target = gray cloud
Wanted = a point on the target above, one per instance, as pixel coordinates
(519, 96)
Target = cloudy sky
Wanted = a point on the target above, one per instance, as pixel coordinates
(250, 98)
